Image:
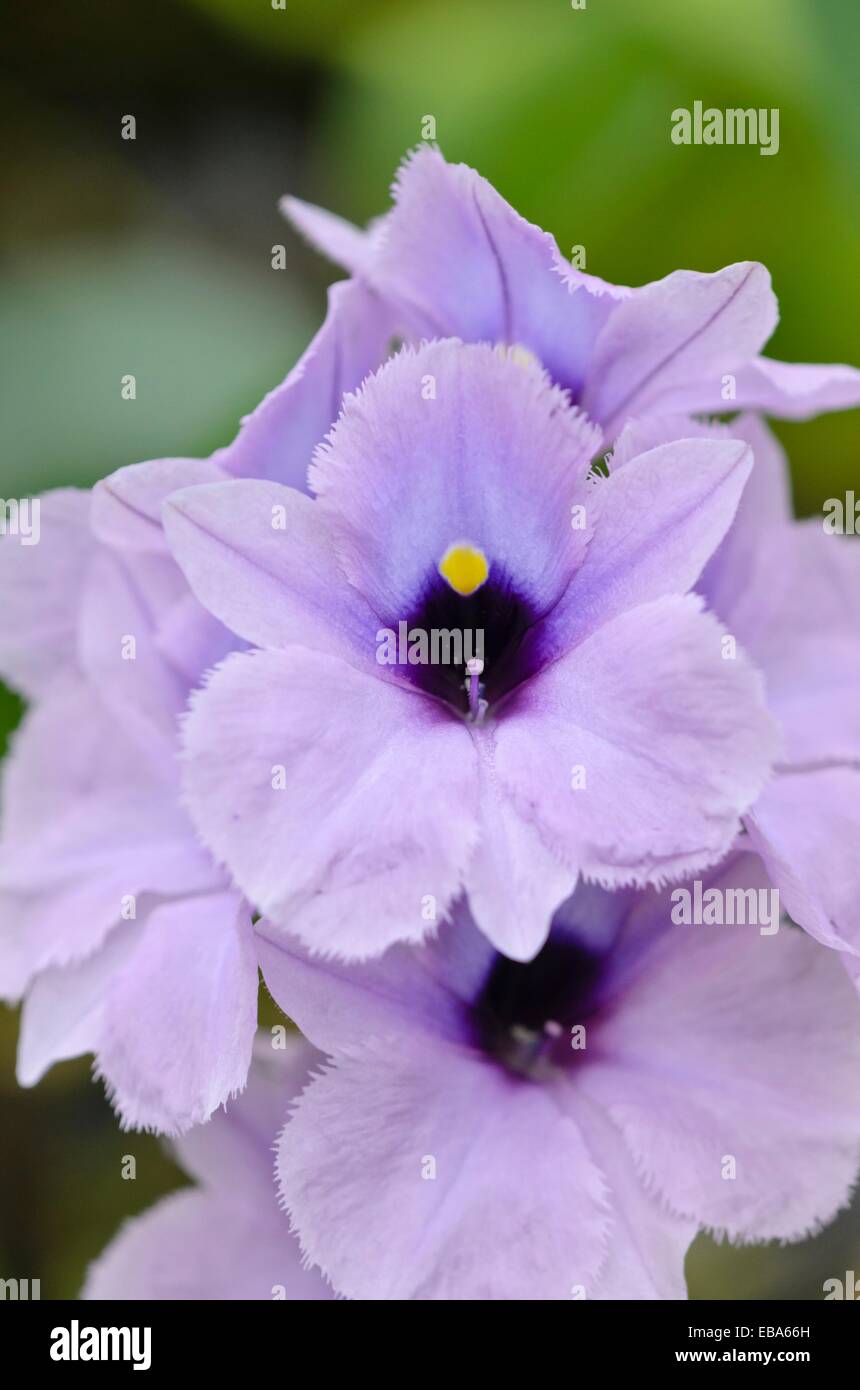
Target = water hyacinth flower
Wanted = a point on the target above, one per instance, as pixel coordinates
(93, 820)
(119, 931)
(487, 1129)
(603, 734)
(453, 259)
(789, 593)
(225, 1238)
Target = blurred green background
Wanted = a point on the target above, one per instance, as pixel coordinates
(153, 256)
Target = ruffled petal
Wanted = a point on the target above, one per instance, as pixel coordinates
(730, 1066)
(338, 801)
(414, 1172)
(63, 1013)
(636, 755)
(88, 825)
(180, 1018)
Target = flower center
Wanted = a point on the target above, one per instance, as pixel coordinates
(471, 604)
(531, 1018)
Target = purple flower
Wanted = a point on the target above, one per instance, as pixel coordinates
(224, 1238)
(488, 1129)
(452, 258)
(118, 928)
(122, 932)
(353, 800)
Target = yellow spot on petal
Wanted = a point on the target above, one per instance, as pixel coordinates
(465, 567)
(519, 355)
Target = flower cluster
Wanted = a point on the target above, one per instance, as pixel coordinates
(521, 1076)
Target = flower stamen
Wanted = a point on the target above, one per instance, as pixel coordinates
(477, 706)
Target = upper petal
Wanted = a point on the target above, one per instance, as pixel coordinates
(764, 506)
(460, 261)
(448, 443)
(675, 333)
(656, 521)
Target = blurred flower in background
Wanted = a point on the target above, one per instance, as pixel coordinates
(153, 257)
